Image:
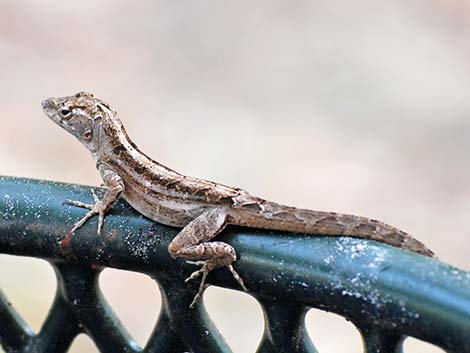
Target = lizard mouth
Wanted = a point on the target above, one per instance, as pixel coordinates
(50, 108)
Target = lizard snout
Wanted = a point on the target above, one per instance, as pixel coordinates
(48, 104)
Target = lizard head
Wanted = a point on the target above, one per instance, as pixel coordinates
(81, 115)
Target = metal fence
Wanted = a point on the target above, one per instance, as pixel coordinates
(387, 293)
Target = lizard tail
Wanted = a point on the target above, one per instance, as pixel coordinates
(259, 213)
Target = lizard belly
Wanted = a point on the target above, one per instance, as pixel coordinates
(162, 209)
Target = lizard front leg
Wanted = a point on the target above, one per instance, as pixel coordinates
(192, 244)
(115, 186)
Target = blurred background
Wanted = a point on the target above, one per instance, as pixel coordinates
(360, 107)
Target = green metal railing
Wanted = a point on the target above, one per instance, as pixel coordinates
(387, 293)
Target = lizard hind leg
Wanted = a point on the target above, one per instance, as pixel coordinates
(192, 243)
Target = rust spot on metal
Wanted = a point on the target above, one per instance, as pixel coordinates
(112, 236)
(66, 247)
(96, 267)
(107, 240)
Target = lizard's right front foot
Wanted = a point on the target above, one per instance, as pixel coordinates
(97, 208)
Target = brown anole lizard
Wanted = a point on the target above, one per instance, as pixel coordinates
(202, 208)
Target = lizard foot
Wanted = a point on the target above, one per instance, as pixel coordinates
(96, 208)
(208, 266)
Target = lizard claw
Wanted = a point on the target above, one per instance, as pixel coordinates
(96, 208)
(95, 198)
(100, 221)
(204, 271)
(208, 266)
(199, 272)
(79, 204)
(237, 277)
(82, 204)
(196, 263)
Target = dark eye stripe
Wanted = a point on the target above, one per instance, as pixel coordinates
(65, 113)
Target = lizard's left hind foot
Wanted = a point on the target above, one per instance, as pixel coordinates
(192, 243)
(207, 266)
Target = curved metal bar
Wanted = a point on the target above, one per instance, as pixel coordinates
(371, 284)
(60, 320)
(376, 340)
(285, 329)
(80, 289)
(14, 332)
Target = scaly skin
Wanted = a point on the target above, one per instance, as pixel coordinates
(201, 207)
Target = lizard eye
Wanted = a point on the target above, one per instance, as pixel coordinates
(87, 135)
(65, 113)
